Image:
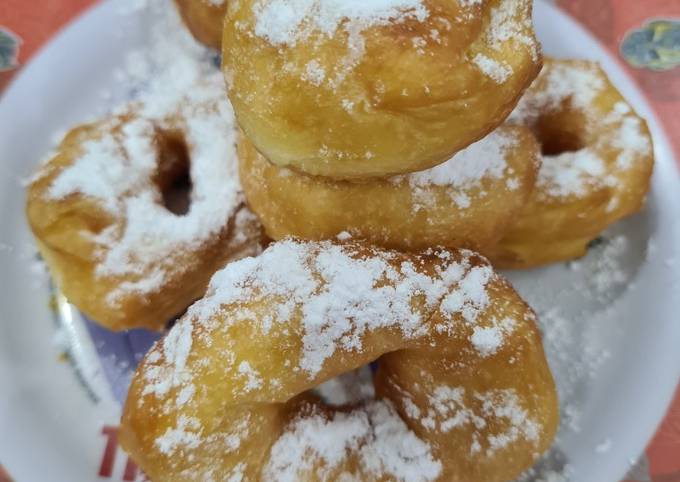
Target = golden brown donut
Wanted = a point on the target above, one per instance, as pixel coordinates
(366, 89)
(204, 19)
(596, 167)
(466, 202)
(463, 391)
(116, 243)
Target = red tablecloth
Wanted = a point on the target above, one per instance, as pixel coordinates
(26, 25)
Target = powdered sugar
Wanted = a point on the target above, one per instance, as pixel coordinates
(328, 298)
(349, 388)
(575, 86)
(629, 138)
(499, 72)
(578, 315)
(571, 173)
(488, 339)
(374, 434)
(504, 404)
(470, 297)
(509, 21)
(285, 22)
(236, 474)
(118, 163)
(184, 435)
(151, 233)
(608, 273)
(469, 3)
(559, 82)
(176, 347)
(464, 171)
(314, 73)
(340, 294)
(496, 417)
(254, 381)
(99, 172)
(604, 446)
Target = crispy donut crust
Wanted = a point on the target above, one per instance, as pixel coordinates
(82, 235)
(400, 95)
(404, 212)
(204, 20)
(596, 171)
(226, 392)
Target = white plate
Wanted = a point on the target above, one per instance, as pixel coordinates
(614, 347)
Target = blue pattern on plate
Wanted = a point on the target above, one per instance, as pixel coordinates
(120, 352)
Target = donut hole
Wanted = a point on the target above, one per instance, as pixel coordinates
(560, 132)
(174, 173)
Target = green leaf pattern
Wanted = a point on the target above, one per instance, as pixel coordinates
(9, 49)
(655, 46)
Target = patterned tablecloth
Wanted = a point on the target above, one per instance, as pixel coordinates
(645, 34)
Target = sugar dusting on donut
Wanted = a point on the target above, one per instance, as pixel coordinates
(339, 296)
(405, 456)
(352, 300)
(448, 410)
(178, 87)
(464, 171)
(117, 170)
(574, 173)
(487, 340)
(384, 444)
(99, 173)
(506, 24)
(503, 27)
(285, 22)
(350, 303)
(498, 71)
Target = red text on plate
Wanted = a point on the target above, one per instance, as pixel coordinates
(109, 456)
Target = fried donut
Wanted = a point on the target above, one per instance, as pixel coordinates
(466, 202)
(204, 19)
(596, 167)
(463, 391)
(374, 88)
(116, 243)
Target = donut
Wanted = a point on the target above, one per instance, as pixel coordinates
(462, 388)
(374, 88)
(123, 239)
(203, 18)
(596, 164)
(466, 202)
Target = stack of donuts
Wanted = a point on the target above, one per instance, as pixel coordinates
(341, 196)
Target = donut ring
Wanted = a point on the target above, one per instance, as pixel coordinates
(596, 167)
(204, 19)
(463, 389)
(378, 88)
(108, 235)
(466, 202)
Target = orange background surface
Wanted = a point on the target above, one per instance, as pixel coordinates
(35, 21)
